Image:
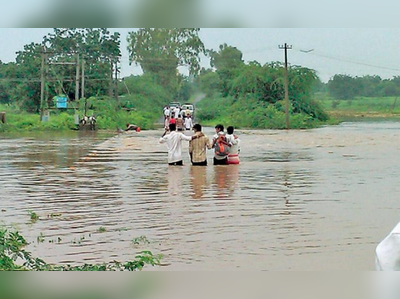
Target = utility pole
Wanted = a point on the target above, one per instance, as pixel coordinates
(286, 47)
(42, 82)
(46, 78)
(110, 91)
(83, 82)
(83, 76)
(77, 78)
(116, 85)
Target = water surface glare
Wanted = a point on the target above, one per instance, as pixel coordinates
(300, 200)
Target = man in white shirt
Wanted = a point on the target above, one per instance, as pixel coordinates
(177, 111)
(174, 144)
(167, 112)
(188, 123)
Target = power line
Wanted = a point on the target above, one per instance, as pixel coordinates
(351, 61)
(66, 79)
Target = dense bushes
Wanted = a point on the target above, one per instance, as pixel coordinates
(249, 113)
(251, 95)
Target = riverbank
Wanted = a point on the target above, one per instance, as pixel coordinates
(107, 118)
(343, 115)
(359, 107)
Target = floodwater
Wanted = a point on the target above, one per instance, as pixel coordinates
(316, 199)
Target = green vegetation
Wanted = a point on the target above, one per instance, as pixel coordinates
(160, 51)
(250, 95)
(368, 96)
(347, 87)
(140, 240)
(137, 109)
(21, 84)
(102, 229)
(361, 106)
(12, 250)
(40, 238)
(239, 93)
(34, 216)
(251, 114)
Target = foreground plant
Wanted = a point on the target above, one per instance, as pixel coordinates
(34, 216)
(12, 250)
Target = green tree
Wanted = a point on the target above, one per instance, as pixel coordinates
(227, 57)
(100, 49)
(226, 61)
(97, 46)
(209, 82)
(343, 87)
(27, 74)
(369, 85)
(161, 51)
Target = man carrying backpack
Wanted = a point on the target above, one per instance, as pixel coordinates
(221, 146)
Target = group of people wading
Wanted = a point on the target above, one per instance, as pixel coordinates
(175, 115)
(226, 146)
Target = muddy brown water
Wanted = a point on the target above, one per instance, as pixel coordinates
(316, 199)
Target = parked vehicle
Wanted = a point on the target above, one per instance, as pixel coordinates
(174, 104)
(188, 109)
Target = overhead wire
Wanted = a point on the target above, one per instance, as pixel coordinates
(257, 50)
(314, 53)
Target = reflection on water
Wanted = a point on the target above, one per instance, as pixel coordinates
(175, 177)
(198, 181)
(225, 181)
(300, 200)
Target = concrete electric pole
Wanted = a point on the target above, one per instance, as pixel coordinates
(286, 47)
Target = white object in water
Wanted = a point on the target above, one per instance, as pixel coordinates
(388, 252)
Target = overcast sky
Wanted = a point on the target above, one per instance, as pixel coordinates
(351, 51)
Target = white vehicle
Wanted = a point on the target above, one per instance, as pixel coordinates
(188, 109)
(174, 104)
(388, 252)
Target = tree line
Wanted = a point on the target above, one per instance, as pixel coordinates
(159, 52)
(348, 87)
(20, 80)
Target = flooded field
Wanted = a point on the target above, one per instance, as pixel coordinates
(300, 200)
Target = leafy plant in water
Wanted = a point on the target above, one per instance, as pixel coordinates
(140, 240)
(12, 248)
(34, 216)
(40, 238)
(102, 229)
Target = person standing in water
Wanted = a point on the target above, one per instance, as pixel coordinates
(179, 123)
(221, 146)
(233, 157)
(174, 143)
(188, 122)
(198, 147)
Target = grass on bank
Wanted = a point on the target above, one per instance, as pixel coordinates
(362, 106)
(108, 117)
